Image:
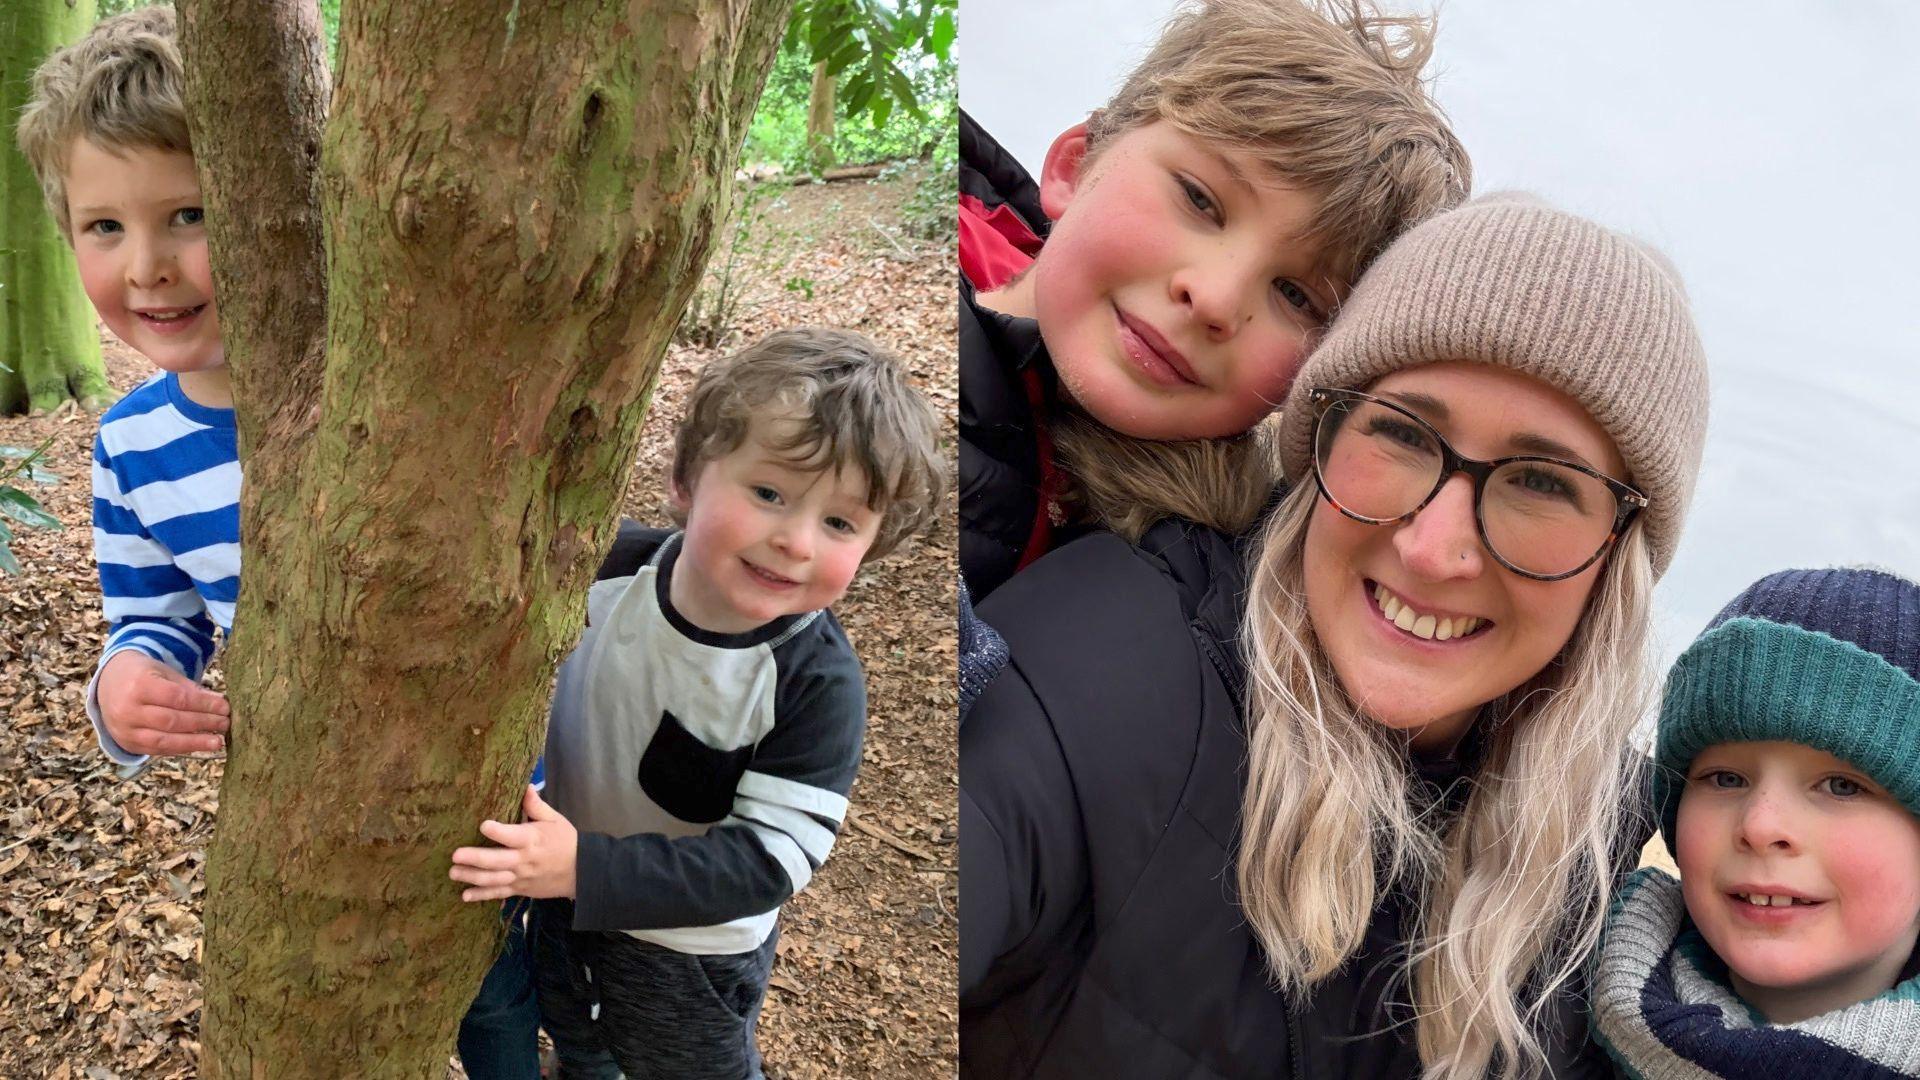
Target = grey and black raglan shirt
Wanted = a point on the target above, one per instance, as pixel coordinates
(707, 773)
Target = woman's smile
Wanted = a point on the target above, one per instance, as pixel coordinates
(1422, 624)
(1420, 621)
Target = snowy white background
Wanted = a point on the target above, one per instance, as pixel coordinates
(1771, 148)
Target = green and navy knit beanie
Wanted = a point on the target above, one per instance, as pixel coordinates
(1825, 658)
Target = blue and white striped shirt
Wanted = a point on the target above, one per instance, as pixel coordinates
(166, 531)
(166, 535)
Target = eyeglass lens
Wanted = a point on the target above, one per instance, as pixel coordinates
(1380, 463)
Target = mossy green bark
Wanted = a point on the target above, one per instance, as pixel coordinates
(47, 334)
(512, 219)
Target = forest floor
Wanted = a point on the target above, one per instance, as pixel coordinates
(101, 880)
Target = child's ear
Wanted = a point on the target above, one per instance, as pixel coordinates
(1061, 174)
(678, 497)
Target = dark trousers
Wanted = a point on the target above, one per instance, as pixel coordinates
(617, 1005)
(499, 1035)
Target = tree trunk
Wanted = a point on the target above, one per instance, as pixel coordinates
(438, 416)
(820, 120)
(47, 335)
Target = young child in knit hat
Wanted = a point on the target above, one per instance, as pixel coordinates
(1788, 785)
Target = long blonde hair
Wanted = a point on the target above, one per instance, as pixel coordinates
(1512, 890)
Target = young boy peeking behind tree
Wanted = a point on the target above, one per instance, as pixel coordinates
(105, 132)
(707, 728)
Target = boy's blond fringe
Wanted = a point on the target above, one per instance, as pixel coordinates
(1512, 890)
(1327, 95)
(121, 87)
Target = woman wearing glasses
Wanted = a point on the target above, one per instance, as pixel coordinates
(1356, 811)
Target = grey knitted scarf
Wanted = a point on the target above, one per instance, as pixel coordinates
(1663, 1009)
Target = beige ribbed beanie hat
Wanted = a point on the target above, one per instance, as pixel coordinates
(1509, 280)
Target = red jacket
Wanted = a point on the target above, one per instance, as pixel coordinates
(1008, 482)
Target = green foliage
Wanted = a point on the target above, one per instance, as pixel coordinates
(869, 45)
(20, 463)
(929, 211)
(896, 75)
(711, 313)
(778, 134)
(329, 17)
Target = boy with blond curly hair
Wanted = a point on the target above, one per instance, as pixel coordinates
(106, 135)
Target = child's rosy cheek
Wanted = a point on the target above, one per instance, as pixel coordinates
(195, 262)
(1879, 877)
(1273, 376)
(1694, 835)
(97, 281)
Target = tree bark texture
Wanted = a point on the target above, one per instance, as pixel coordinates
(438, 417)
(47, 334)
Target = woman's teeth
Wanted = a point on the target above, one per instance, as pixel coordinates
(1429, 627)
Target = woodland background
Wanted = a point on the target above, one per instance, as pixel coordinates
(101, 879)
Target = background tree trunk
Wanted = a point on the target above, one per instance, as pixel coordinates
(47, 334)
(437, 419)
(820, 120)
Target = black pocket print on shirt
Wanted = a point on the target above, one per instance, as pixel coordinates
(686, 777)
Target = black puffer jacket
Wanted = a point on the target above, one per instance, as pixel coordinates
(1101, 775)
(999, 455)
(1003, 370)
